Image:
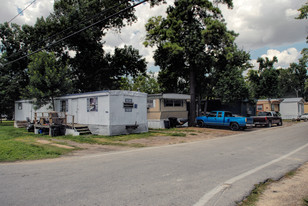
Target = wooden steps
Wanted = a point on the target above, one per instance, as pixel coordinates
(82, 129)
(21, 124)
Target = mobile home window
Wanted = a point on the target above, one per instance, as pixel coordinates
(173, 103)
(128, 105)
(20, 106)
(273, 107)
(259, 107)
(92, 104)
(151, 103)
(64, 106)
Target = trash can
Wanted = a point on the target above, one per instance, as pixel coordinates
(55, 131)
(173, 122)
(167, 124)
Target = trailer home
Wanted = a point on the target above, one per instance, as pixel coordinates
(161, 107)
(25, 111)
(111, 112)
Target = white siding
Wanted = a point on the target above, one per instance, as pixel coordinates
(27, 110)
(291, 108)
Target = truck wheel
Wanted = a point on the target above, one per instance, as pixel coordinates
(200, 123)
(234, 126)
(269, 124)
(280, 123)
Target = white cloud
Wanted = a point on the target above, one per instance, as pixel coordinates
(259, 23)
(266, 23)
(135, 34)
(9, 9)
(285, 58)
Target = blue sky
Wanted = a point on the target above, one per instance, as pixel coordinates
(261, 51)
(265, 28)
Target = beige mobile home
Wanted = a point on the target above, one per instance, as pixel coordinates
(163, 106)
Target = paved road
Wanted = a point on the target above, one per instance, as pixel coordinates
(212, 172)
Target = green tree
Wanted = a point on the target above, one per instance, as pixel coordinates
(228, 83)
(264, 82)
(90, 65)
(187, 41)
(49, 78)
(303, 12)
(13, 77)
(144, 83)
(293, 80)
(124, 62)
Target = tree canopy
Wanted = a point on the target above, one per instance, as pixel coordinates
(74, 33)
(49, 78)
(195, 48)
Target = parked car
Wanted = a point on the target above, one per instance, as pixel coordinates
(267, 119)
(225, 119)
(304, 117)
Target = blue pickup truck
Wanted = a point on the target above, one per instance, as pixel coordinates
(225, 119)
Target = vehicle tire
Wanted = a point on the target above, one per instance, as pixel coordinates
(234, 126)
(280, 123)
(269, 124)
(200, 123)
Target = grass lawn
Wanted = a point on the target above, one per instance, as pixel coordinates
(18, 144)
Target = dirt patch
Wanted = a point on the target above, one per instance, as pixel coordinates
(191, 134)
(41, 141)
(289, 191)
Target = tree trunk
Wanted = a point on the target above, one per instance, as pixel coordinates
(53, 103)
(205, 105)
(192, 113)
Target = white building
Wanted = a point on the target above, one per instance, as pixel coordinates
(24, 109)
(291, 108)
(111, 112)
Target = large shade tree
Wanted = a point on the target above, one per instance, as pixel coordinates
(75, 27)
(189, 42)
(86, 22)
(49, 78)
(13, 76)
(264, 82)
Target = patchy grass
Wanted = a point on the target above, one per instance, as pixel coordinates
(18, 144)
(305, 201)
(259, 189)
(12, 150)
(254, 196)
(7, 123)
(178, 134)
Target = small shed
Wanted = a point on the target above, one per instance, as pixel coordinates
(25, 110)
(111, 112)
(291, 108)
(163, 106)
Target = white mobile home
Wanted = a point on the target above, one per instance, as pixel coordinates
(111, 112)
(24, 110)
(291, 108)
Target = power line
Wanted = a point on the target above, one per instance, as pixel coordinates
(21, 11)
(48, 38)
(113, 15)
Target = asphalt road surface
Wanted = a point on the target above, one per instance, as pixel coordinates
(213, 172)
